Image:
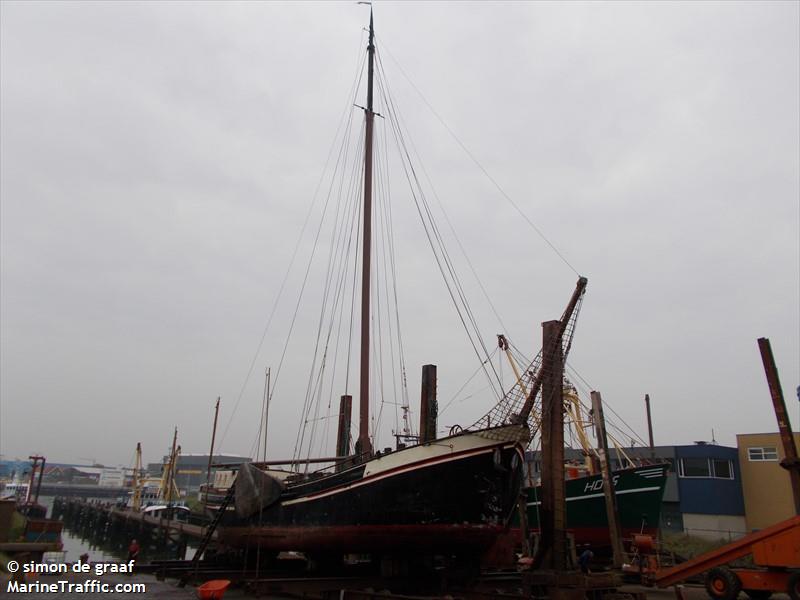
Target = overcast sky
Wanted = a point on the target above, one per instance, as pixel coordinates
(158, 161)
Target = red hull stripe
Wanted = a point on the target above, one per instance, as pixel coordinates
(401, 469)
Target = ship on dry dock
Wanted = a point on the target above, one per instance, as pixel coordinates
(453, 494)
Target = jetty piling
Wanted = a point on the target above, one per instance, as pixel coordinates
(105, 523)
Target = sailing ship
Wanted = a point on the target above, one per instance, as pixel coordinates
(453, 494)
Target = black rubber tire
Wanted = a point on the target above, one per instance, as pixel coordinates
(794, 586)
(758, 594)
(723, 584)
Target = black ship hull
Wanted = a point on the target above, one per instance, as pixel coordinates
(455, 494)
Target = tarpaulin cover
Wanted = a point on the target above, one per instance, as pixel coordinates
(255, 490)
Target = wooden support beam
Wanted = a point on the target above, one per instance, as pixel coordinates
(650, 426)
(211, 451)
(552, 551)
(522, 507)
(428, 406)
(608, 483)
(790, 461)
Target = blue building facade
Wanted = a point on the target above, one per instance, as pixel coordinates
(709, 480)
(703, 494)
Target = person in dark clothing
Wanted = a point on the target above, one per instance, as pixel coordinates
(585, 560)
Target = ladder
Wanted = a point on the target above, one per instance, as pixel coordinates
(206, 539)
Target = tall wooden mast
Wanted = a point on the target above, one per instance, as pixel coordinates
(364, 446)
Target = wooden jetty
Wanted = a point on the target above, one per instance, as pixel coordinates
(103, 520)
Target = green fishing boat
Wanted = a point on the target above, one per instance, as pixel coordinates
(639, 492)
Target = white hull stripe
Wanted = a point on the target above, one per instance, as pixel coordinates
(650, 472)
(412, 467)
(588, 496)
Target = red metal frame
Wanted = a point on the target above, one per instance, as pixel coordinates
(775, 546)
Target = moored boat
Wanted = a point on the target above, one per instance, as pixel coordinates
(16, 489)
(639, 492)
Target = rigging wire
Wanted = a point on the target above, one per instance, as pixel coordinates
(340, 317)
(435, 240)
(312, 388)
(383, 216)
(456, 282)
(309, 388)
(461, 389)
(610, 423)
(361, 59)
(453, 230)
(336, 282)
(479, 165)
(391, 268)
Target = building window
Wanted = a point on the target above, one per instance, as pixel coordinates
(695, 467)
(722, 468)
(767, 453)
(712, 468)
